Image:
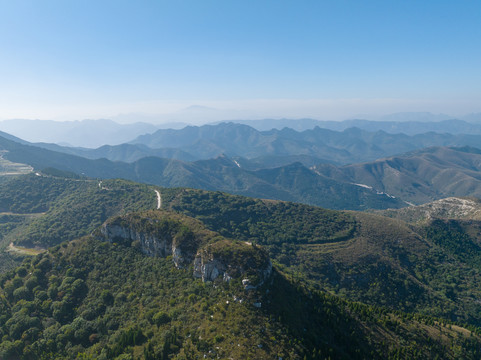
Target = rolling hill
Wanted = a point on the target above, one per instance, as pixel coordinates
(359, 256)
(293, 182)
(41, 211)
(351, 145)
(102, 297)
(417, 177)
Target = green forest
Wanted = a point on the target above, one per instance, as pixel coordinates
(344, 285)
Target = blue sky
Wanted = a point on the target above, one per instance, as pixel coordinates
(71, 59)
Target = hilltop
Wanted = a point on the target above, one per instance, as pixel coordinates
(448, 208)
(417, 177)
(360, 256)
(345, 253)
(102, 297)
(297, 175)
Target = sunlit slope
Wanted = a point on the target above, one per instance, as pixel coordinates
(420, 176)
(359, 256)
(105, 299)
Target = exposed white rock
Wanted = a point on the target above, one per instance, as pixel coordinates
(209, 268)
(151, 245)
(448, 208)
(242, 260)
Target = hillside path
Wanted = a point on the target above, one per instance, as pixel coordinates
(159, 199)
(25, 251)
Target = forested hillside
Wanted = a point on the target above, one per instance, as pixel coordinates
(359, 256)
(68, 208)
(412, 178)
(94, 299)
(389, 288)
(41, 211)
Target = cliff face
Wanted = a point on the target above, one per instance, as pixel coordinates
(152, 241)
(226, 259)
(213, 257)
(149, 244)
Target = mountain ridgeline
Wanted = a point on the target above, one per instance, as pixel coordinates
(412, 178)
(174, 261)
(293, 182)
(417, 177)
(216, 275)
(351, 145)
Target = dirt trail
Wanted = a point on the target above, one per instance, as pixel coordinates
(159, 199)
(25, 251)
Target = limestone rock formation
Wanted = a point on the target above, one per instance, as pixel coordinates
(213, 256)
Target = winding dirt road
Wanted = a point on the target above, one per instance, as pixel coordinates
(159, 199)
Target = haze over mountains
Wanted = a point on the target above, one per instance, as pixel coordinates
(132, 262)
(86, 133)
(209, 207)
(350, 169)
(236, 140)
(95, 133)
(212, 273)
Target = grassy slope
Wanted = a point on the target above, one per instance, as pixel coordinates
(89, 299)
(418, 177)
(363, 257)
(39, 211)
(293, 182)
(448, 208)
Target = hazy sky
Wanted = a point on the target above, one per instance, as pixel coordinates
(72, 59)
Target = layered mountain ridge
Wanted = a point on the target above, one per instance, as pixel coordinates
(416, 177)
(340, 284)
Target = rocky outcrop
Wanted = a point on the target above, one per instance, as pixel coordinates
(214, 257)
(150, 241)
(250, 262)
(448, 208)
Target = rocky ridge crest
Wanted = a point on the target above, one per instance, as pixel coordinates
(163, 234)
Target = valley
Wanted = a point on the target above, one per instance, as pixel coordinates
(184, 265)
(399, 273)
(240, 180)
(299, 175)
(8, 168)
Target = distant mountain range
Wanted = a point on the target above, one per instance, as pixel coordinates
(415, 177)
(410, 123)
(293, 182)
(270, 148)
(85, 133)
(96, 133)
(348, 146)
